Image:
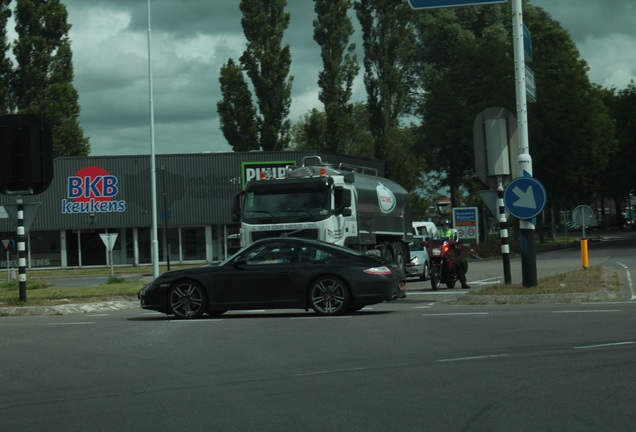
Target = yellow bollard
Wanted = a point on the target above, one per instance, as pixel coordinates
(584, 258)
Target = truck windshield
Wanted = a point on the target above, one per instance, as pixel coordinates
(286, 206)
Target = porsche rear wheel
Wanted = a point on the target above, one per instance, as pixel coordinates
(328, 296)
(187, 300)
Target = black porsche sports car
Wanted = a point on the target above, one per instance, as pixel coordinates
(278, 273)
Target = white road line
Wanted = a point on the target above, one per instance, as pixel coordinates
(488, 281)
(473, 358)
(69, 323)
(184, 321)
(605, 345)
(587, 311)
(629, 280)
(428, 293)
(455, 314)
(329, 372)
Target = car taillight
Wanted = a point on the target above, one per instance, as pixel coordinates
(378, 270)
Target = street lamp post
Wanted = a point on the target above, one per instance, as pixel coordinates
(153, 168)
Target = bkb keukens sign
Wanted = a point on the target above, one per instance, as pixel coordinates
(92, 190)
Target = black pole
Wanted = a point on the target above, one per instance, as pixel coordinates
(21, 251)
(528, 254)
(503, 233)
(165, 216)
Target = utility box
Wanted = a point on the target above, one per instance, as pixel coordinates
(26, 154)
(496, 146)
(498, 155)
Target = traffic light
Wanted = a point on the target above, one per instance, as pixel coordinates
(26, 154)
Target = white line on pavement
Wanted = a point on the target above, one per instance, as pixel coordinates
(605, 345)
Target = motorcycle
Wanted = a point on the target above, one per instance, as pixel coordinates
(443, 262)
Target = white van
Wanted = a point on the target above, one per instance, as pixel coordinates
(425, 229)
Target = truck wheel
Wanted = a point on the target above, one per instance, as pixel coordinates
(387, 253)
(436, 279)
(399, 256)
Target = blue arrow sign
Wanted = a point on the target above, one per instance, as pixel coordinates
(524, 197)
(425, 4)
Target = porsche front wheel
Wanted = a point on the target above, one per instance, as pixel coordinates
(187, 300)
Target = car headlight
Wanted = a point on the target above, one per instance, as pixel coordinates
(415, 260)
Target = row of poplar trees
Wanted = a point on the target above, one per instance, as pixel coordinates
(40, 78)
(427, 75)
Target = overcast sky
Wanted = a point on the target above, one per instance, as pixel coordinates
(192, 39)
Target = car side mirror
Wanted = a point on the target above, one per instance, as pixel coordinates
(239, 262)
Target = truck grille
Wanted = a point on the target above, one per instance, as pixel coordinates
(307, 233)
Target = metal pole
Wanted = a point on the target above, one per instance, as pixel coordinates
(21, 249)
(165, 216)
(153, 169)
(527, 233)
(503, 232)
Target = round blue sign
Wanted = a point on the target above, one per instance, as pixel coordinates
(524, 197)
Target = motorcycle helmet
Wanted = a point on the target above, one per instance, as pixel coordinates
(446, 221)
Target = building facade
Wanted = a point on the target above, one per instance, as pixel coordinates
(93, 195)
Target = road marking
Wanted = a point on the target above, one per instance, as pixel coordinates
(489, 281)
(323, 317)
(329, 372)
(443, 292)
(587, 311)
(455, 314)
(629, 280)
(605, 345)
(473, 358)
(69, 323)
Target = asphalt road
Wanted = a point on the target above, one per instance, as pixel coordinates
(408, 365)
(415, 364)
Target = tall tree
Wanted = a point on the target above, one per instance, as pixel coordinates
(570, 126)
(43, 79)
(466, 66)
(267, 62)
(309, 133)
(332, 30)
(388, 49)
(236, 109)
(5, 62)
(620, 174)
(387, 39)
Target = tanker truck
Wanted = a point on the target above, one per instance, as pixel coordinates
(348, 205)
